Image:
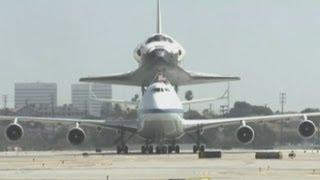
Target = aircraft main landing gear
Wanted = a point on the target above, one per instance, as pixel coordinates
(168, 149)
(175, 148)
(161, 149)
(147, 149)
(198, 148)
(122, 149)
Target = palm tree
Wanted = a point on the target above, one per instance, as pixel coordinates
(188, 96)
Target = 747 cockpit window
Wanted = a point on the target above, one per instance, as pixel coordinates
(160, 90)
(156, 90)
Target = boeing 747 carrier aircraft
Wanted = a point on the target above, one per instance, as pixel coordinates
(160, 122)
(160, 113)
(159, 54)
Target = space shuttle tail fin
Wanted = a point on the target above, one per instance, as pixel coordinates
(159, 23)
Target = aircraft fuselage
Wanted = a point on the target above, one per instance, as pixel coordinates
(160, 116)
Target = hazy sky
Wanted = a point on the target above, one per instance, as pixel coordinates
(272, 45)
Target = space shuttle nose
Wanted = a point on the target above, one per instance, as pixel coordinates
(159, 53)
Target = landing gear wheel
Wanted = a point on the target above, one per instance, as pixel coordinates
(125, 150)
(143, 149)
(202, 148)
(195, 149)
(150, 149)
(158, 150)
(177, 149)
(198, 148)
(164, 150)
(118, 150)
(161, 149)
(122, 149)
(170, 149)
(98, 150)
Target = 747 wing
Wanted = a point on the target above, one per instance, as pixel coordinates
(76, 135)
(245, 133)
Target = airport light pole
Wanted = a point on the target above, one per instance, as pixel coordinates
(224, 109)
(318, 134)
(228, 96)
(282, 103)
(283, 97)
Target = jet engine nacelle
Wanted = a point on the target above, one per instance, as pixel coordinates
(245, 134)
(306, 129)
(14, 131)
(76, 136)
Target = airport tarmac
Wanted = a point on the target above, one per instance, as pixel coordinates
(233, 165)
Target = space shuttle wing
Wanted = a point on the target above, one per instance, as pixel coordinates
(144, 75)
(129, 79)
(201, 78)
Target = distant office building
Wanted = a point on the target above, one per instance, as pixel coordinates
(37, 94)
(82, 99)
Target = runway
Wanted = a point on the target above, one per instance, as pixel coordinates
(232, 165)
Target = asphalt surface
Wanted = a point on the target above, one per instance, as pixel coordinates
(233, 165)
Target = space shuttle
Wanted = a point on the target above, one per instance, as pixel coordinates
(159, 54)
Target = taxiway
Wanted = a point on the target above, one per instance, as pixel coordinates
(232, 165)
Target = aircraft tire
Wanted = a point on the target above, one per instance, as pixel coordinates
(125, 150)
(143, 149)
(118, 149)
(150, 149)
(202, 148)
(158, 150)
(195, 149)
(177, 149)
(164, 149)
(170, 149)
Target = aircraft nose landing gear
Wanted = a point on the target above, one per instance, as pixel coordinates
(122, 149)
(198, 148)
(167, 149)
(175, 148)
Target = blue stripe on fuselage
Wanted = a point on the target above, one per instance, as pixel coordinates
(162, 111)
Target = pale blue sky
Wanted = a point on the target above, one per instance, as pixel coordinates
(272, 45)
